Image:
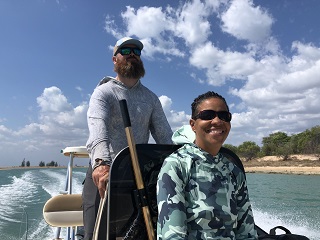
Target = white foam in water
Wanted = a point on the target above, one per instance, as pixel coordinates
(27, 186)
(78, 178)
(42, 231)
(59, 180)
(53, 183)
(11, 195)
(268, 221)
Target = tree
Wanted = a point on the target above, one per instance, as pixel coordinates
(314, 143)
(307, 141)
(28, 164)
(42, 164)
(248, 150)
(300, 142)
(277, 144)
(50, 164)
(231, 147)
(23, 164)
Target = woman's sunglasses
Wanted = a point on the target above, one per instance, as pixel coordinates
(128, 50)
(210, 114)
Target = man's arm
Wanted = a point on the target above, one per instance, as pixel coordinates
(97, 144)
(159, 127)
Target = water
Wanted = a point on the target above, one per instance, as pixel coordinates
(23, 194)
(292, 201)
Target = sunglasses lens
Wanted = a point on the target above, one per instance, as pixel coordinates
(137, 51)
(127, 51)
(224, 116)
(207, 115)
(210, 114)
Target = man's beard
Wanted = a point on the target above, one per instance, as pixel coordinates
(130, 68)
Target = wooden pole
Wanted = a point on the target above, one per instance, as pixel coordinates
(99, 214)
(135, 165)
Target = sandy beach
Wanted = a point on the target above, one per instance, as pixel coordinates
(296, 164)
(284, 170)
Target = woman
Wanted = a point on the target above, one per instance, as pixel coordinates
(200, 193)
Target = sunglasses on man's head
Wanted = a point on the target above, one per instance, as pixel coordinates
(128, 50)
(210, 114)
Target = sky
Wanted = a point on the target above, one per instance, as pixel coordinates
(263, 56)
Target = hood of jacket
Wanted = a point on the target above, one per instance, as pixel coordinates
(184, 135)
(105, 80)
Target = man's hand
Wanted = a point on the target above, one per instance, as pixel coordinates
(100, 176)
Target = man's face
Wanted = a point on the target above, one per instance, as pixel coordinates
(129, 66)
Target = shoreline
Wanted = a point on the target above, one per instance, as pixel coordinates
(37, 167)
(284, 170)
(299, 170)
(307, 164)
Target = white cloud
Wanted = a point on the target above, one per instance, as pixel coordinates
(152, 26)
(59, 125)
(162, 29)
(79, 88)
(57, 114)
(283, 93)
(220, 65)
(166, 103)
(175, 118)
(277, 91)
(307, 51)
(192, 22)
(148, 22)
(247, 22)
(52, 100)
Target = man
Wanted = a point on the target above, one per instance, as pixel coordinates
(106, 130)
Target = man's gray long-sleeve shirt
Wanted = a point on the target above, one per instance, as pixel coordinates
(107, 135)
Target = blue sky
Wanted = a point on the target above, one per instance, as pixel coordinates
(262, 56)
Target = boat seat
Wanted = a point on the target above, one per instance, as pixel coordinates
(77, 152)
(64, 210)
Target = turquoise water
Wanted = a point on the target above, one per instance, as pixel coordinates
(292, 201)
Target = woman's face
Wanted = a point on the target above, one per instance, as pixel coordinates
(211, 134)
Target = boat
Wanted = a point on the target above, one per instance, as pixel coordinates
(131, 205)
(65, 209)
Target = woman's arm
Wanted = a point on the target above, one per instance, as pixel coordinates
(245, 228)
(171, 201)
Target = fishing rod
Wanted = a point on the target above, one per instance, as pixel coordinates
(24, 212)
